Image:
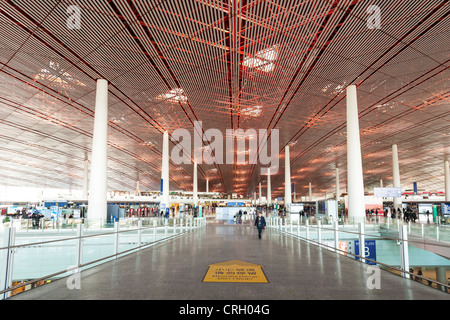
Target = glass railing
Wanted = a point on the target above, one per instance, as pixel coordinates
(413, 250)
(71, 223)
(36, 256)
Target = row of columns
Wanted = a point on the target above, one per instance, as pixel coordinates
(397, 203)
(355, 181)
(97, 195)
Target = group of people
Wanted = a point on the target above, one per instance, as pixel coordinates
(33, 214)
(408, 214)
(238, 216)
(405, 214)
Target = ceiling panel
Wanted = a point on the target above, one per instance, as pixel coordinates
(253, 64)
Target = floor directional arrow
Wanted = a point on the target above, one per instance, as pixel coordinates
(235, 271)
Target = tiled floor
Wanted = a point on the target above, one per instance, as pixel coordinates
(175, 270)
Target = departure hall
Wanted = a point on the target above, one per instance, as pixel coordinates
(236, 151)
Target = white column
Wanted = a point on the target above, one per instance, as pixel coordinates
(254, 198)
(260, 194)
(85, 178)
(310, 192)
(355, 183)
(287, 179)
(338, 188)
(269, 188)
(404, 251)
(194, 189)
(381, 183)
(447, 180)
(165, 171)
(207, 185)
(97, 201)
(138, 189)
(396, 176)
(362, 241)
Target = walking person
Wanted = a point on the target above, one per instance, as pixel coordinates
(260, 223)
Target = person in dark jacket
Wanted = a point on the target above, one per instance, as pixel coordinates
(260, 223)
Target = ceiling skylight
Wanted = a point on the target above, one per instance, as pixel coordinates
(174, 95)
(254, 111)
(57, 75)
(263, 60)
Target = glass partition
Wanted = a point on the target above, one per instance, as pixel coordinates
(54, 249)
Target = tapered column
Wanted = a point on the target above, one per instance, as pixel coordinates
(396, 176)
(287, 179)
(97, 201)
(447, 180)
(85, 178)
(138, 188)
(355, 183)
(260, 194)
(441, 276)
(165, 171)
(269, 188)
(194, 189)
(310, 192)
(338, 188)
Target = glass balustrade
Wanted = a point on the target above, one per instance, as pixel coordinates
(53, 249)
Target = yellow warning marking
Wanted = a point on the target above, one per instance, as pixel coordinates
(235, 271)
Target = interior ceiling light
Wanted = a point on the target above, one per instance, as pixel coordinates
(148, 143)
(335, 90)
(174, 95)
(254, 111)
(120, 119)
(57, 76)
(386, 106)
(263, 60)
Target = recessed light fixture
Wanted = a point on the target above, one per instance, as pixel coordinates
(174, 95)
(263, 59)
(57, 75)
(254, 111)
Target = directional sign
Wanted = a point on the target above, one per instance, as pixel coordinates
(387, 192)
(235, 271)
(370, 250)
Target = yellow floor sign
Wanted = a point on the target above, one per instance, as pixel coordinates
(235, 271)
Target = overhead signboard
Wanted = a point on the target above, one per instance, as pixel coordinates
(296, 207)
(235, 204)
(424, 207)
(387, 192)
(446, 208)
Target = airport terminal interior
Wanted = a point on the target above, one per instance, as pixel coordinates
(224, 150)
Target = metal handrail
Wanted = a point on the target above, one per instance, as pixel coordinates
(381, 237)
(363, 258)
(439, 244)
(82, 237)
(93, 261)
